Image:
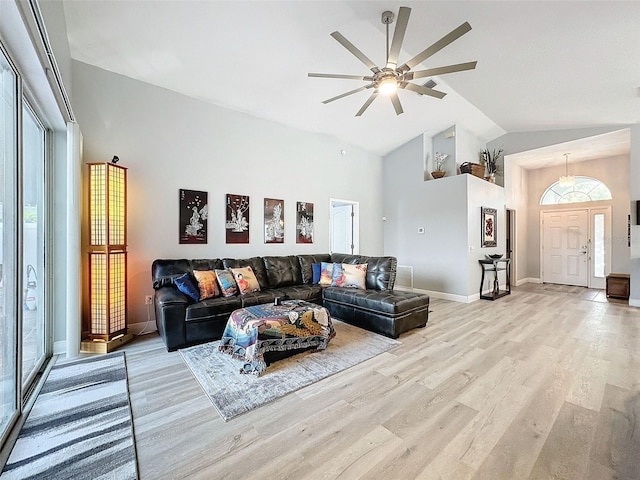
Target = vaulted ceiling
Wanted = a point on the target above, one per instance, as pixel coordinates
(541, 65)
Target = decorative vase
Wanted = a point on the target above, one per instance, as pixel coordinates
(438, 174)
(491, 178)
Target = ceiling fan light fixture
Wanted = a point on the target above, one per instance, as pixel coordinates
(387, 86)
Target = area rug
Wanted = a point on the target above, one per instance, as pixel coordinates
(80, 425)
(233, 393)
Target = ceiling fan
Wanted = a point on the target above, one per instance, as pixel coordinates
(387, 80)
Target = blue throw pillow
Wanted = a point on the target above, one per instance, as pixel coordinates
(187, 286)
(337, 276)
(315, 267)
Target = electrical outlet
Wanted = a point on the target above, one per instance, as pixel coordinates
(148, 299)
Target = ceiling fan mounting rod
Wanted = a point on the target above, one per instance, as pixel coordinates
(387, 19)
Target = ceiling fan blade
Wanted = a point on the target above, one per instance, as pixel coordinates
(398, 36)
(348, 77)
(436, 47)
(422, 90)
(355, 51)
(351, 92)
(459, 67)
(367, 103)
(396, 103)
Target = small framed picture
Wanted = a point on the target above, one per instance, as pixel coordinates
(489, 223)
(193, 216)
(304, 222)
(273, 220)
(237, 223)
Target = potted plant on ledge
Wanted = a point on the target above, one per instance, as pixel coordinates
(490, 161)
(439, 160)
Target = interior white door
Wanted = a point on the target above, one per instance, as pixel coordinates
(565, 247)
(342, 231)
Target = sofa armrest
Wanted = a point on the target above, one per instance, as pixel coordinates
(170, 307)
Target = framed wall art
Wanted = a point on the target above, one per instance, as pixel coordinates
(304, 222)
(193, 216)
(237, 223)
(273, 220)
(489, 222)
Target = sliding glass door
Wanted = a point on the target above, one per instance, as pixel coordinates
(23, 229)
(33, 245)
(8, 244)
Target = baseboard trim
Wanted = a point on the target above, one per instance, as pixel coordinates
(522, 281)
(139, 328)
(634, 302)
(442, 295)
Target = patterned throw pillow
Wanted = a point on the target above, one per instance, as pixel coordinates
(227, 283)
(354, 275)
(245, 279)
(206, 283)
(187, 286)
(337, 277)
(315, 268)
(326, 272)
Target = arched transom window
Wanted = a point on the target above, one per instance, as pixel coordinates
(586, 189)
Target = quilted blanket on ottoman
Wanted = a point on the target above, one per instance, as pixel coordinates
(292, 325)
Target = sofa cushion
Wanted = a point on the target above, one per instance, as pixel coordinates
(390, 303)
(306, 265)
(212, 307)
(283, 271)
(316, 268)
(354, 276)
(381, 271)
(337, 275)
(227, 283)
(246, 280)
(256, 264)
(326, 273)
(260, 297)
(310, 293)
(187, 285)
(207, 283)
(206, 264)
(164, 272)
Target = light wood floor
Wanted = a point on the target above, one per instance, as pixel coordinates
(542, 384)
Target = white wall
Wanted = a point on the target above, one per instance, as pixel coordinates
(468, 147)
(445, 257)
(169, 141)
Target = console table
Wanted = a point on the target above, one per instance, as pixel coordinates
(496, 265)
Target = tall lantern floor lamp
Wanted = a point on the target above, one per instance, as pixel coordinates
(106, 326)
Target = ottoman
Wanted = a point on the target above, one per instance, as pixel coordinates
(292, 326)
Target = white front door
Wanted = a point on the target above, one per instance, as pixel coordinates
(565, 247)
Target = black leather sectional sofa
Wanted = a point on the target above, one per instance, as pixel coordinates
(379, 308)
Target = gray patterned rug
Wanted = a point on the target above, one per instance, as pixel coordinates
(80, 425)
(233, 393)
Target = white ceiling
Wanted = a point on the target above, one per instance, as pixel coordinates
(541, 65)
